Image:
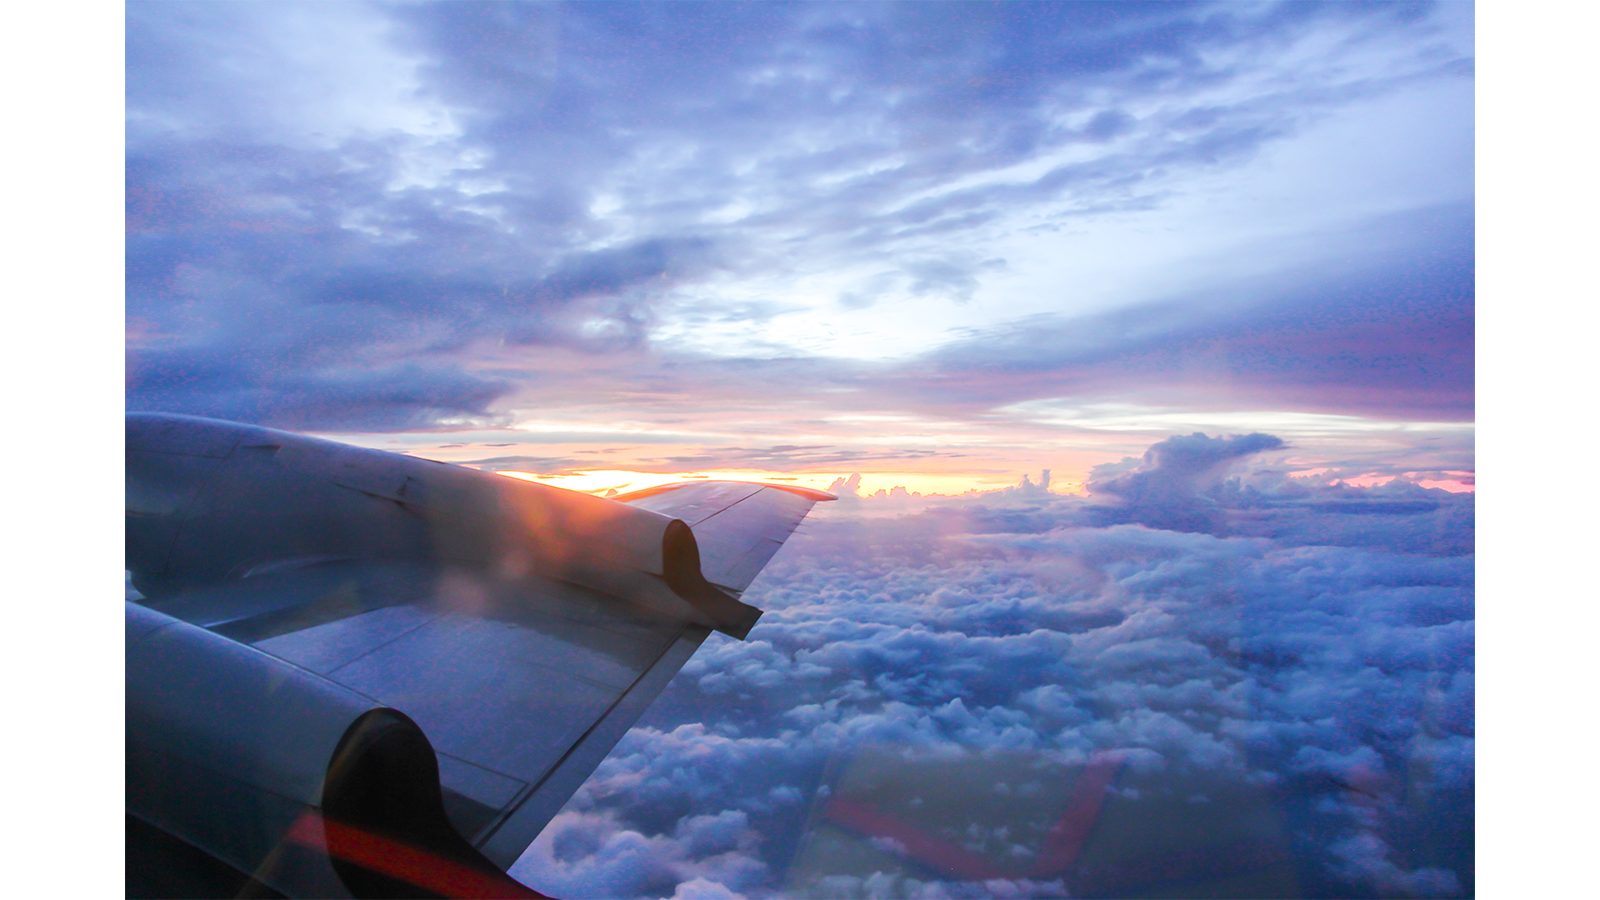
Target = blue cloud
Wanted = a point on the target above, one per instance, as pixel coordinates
(1165, 491)
(1332, 684)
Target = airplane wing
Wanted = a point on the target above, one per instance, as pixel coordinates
(313, 610)
(739, 525)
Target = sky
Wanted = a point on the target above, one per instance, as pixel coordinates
(936, 245)
(1210, 265)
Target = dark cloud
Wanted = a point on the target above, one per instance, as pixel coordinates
(1323, 692)
(394, 397)
(1400, 515)
(229, 305)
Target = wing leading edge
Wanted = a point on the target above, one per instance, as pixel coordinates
(522, 632)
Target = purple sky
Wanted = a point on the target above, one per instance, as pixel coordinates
(937, 244)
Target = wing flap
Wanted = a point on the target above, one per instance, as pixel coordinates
(522, 684)
(518, 829)
(298, 594)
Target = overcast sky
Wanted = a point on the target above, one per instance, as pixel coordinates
(937, 244)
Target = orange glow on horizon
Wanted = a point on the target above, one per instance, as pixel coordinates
(1454, 486)
(599, 481)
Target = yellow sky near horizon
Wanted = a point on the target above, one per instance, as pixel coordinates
(603, 456)
(598, 481)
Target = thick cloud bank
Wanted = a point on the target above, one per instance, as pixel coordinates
(1268, 692)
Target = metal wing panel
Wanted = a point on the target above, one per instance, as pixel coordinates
(518, 829)
(693, 502)
(517, 715)
(510, 678)
(738, 526)
(298, 596)
(738, 541)
(327, 646)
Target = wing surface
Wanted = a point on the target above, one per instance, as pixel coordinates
(523, 684)
(513, 629)
(738, 525)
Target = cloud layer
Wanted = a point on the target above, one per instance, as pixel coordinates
(1301, 698)
(374, 217)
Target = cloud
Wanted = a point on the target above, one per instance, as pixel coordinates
(705, 856)
(544, 465)
(791, 457)
(1366, 859)
(1386, 332)
(394, 397)
(1327, 688)
(1165, 490)
(431, 184)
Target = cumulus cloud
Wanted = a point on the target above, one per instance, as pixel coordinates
(705, 856)
(1164, 491)
(1300, 711)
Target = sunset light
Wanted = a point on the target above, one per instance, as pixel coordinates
(600, 481)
